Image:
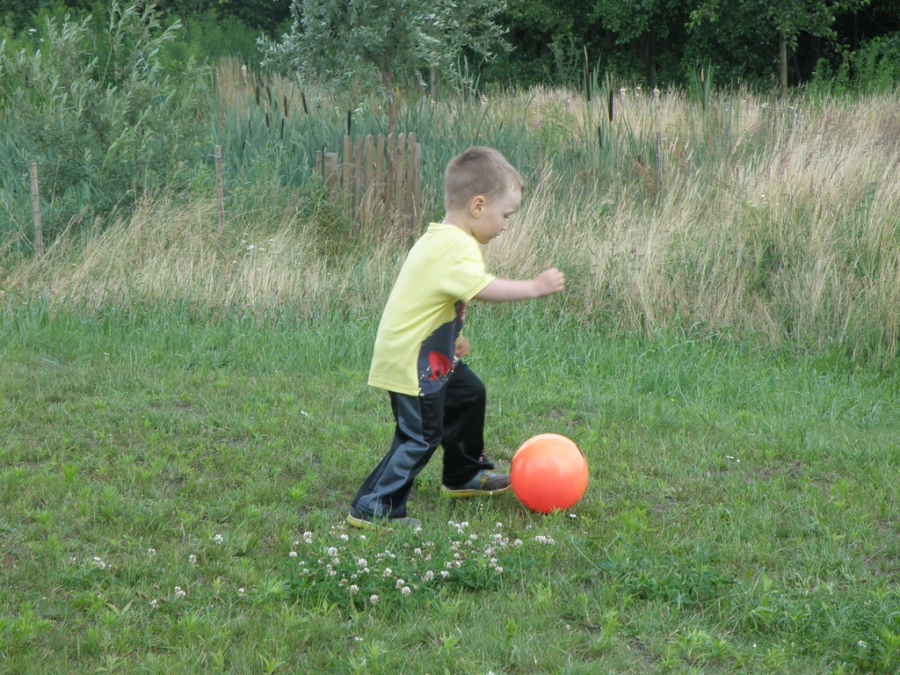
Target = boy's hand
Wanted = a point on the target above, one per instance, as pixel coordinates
(462, 347)
(550, 282)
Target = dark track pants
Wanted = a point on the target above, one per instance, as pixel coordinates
(452, 417)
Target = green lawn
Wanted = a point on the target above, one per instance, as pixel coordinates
(172, 495)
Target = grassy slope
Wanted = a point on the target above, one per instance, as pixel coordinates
(743, 506)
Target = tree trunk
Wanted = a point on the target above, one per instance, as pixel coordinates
(782, 62)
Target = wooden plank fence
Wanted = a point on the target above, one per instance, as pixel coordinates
(380, 179)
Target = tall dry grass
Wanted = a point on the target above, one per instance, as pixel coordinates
(786, 229)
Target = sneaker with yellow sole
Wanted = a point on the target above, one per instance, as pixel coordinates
(484, 484)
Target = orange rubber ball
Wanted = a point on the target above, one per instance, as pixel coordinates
(548, 473)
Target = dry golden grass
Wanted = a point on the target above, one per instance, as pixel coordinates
(789, 233)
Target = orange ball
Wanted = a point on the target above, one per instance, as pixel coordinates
(548, 473)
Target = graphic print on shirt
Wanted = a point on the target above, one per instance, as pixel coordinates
(437, 356)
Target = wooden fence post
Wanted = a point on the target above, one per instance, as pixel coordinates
(36, 213)
(220, 190)
(332, 175)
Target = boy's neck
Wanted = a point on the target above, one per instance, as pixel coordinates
(458, 220)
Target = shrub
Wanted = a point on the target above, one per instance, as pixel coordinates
(98, 114)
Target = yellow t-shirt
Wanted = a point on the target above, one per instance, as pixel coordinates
(416, 341)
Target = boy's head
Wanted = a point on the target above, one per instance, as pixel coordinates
(478, 171)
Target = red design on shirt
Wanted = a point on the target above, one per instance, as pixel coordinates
(440, 365)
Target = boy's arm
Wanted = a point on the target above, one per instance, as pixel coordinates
(506, 290)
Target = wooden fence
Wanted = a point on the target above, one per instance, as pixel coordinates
(379, 179)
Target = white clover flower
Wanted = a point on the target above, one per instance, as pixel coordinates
(373, 599)
(192, 559)
(154, 604)
(218, 539)
(498, 569)
(406, 590)
(362, 562)
(345, 537)
(179, 593)
(400, 583)
(354, 589)
(388, 572)
(517, 543)
(292, 554)
(151, 552)
(332, 551)
(241, 592)
(307, 537)
(498, 525)
(445, 574)
(862, 644)
(429, 575)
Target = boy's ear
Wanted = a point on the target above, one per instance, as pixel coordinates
(476, 206)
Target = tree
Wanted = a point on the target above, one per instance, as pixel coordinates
(788, 18)
(354, 40)
(644, 22)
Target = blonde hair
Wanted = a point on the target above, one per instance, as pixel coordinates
(478, 171)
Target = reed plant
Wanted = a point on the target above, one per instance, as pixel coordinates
(736, 212)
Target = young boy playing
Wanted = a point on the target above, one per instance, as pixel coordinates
(436, 399)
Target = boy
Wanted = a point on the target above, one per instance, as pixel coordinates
(435, 398)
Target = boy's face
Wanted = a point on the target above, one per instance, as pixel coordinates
(490, 216)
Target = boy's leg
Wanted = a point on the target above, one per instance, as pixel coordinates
(464, 410)
(416, 436)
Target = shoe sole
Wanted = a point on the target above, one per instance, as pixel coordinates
(361, 524)
(472, 492)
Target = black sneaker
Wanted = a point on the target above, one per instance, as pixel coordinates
(357, 518)
(485, 483)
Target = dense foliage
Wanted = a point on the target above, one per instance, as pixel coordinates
(657, 41)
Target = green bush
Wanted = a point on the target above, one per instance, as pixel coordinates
(98, 114)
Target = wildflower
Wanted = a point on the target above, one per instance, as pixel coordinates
(388, 572)
(307, 537)
(154, 604)
(292, 554)
(218, 539)
(345, 537)
(179, 593)
(332, 551)
(406, 590)
(151, 552)
(362, 562)
(498, 569)
(400, 583)
(429, 575)
(445, 574)
(373, 600)
(192, 559)
(862, 644)
(241, 592)
(98, 562)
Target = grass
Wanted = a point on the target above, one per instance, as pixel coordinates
(174, 486)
